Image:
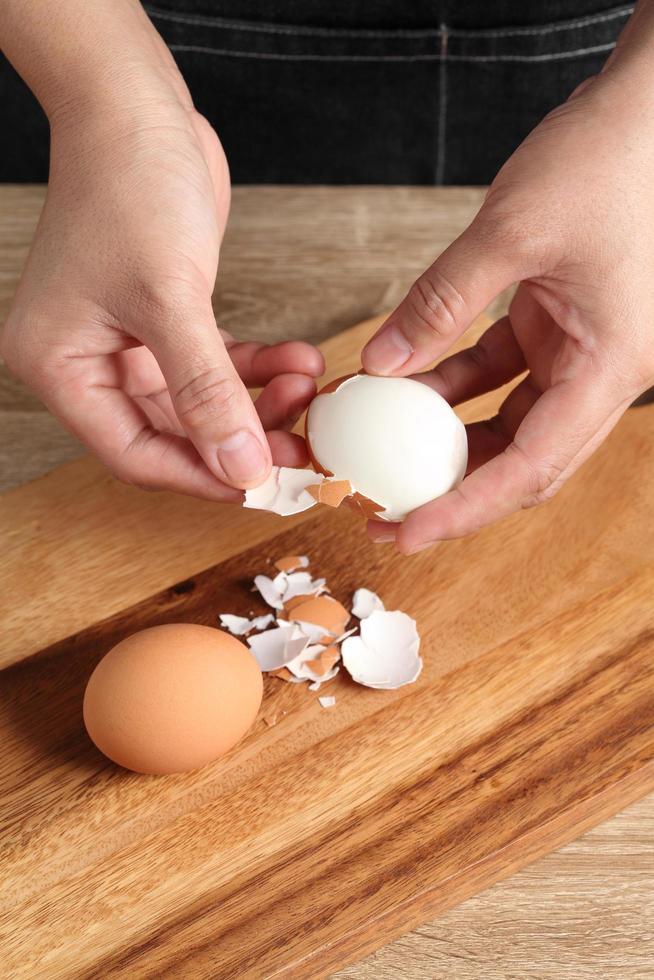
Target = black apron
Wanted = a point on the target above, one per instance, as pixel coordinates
(367, 91)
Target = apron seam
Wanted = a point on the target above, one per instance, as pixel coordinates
(417, 33)
(276, 56)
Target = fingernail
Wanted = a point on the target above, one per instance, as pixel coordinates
(382, 537)
(420, 547)
(242, 457)
(387, 352)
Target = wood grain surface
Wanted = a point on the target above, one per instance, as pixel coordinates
(582, 911)
(533, 720)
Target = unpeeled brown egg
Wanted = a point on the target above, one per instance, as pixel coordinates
(396, 440)
(172, 698)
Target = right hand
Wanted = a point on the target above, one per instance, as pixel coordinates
(112, 325)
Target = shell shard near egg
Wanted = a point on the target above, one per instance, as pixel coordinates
(365, 602)
(320, 611)
(284, 587)
(284, 492)
(240, 625)
(315, 633)
(277, 647)
(303, 667)
(331, 492)
(386, 653)
(290, 491)
(310, 641)
(327, 701)
(291, 563)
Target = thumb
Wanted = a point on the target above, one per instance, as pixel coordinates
(210, 400)
(442, 303)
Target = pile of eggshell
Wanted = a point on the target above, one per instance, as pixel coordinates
(309, 640)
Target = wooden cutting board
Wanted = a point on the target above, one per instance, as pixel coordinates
(326, 832)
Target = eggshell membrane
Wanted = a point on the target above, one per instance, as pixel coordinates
(172, 698)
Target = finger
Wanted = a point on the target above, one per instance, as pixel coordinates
(159, 412)
(557, 435)
(210, 400)
(485, 440)
(283, 400)
(494, 360)
(443, 302)
(257, 364)
(491, 437)
(113, 427)
(382, 532)
(288, 449)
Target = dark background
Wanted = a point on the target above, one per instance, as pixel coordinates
(371, 91)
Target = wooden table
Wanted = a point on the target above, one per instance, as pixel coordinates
(306, 263)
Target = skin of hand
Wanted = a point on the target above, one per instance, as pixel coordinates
(112, 324)
(569, 218)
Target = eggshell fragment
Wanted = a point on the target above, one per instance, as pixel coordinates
(327, 701)
(275, 648)
(300, 670)
(324, 662)
(240, 625)
(284, 492)
(271, 589)
(291, 563)
(331, 492)
(365, 602)
(285, 587)
(385, 654)
(315, 634)
(172, 698)
(302, 584)
(324, 611)
(397, 442)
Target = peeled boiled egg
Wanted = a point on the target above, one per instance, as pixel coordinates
(397, 442)
(172, 698)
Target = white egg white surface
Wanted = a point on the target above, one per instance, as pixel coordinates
(396, 440)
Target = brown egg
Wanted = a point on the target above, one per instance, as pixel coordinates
(172, 698)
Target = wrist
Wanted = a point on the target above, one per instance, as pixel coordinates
(630, 63)
(81, 59)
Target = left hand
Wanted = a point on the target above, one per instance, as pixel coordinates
(569, 217)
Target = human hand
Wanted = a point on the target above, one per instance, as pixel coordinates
(569, 217)
(112, 324)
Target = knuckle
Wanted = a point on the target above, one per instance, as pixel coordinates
(543, 477)
(436, 305)
(163, 301)
(210, 397)
(480, 355)
(503, 226)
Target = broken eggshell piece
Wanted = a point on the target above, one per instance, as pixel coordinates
(320, 611)
(240, 625)
(276, 648)
(291, 563)
(365, 602)
(284, 492)
(395, 440)
(284, 588)
(385, 654)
